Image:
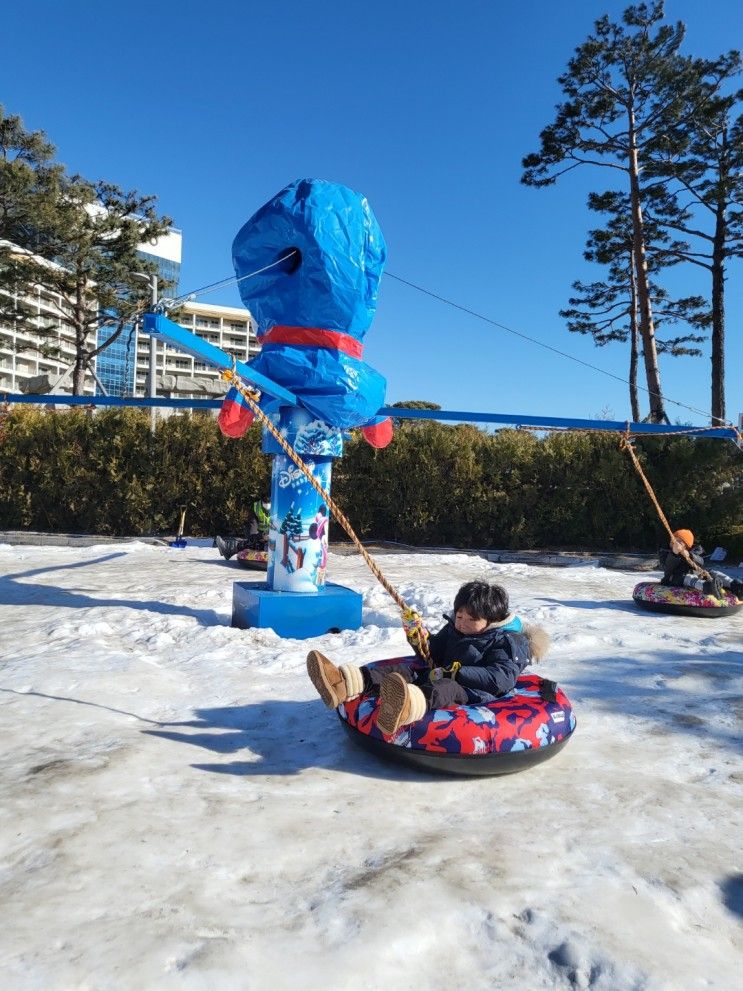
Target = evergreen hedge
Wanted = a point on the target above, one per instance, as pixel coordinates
(435, 485)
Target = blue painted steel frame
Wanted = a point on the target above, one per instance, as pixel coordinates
(178, 337)
(459, 416)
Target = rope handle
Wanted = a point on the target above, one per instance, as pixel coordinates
(415, 632)
(251, 398)
(625, 444)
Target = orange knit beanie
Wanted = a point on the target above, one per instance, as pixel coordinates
(686, 537)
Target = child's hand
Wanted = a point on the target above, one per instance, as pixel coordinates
(436, 674)
(415, 632)
(677, 546)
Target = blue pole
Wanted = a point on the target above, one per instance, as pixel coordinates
(401, 413)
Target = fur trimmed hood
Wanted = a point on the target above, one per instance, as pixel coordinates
(538, 640)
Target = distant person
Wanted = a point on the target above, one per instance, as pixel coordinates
(321, 519)
(258, 529)
(478, 655)
(679, 572)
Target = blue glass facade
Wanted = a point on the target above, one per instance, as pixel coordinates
(115, 366)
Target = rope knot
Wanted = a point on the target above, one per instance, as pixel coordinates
(415, 632)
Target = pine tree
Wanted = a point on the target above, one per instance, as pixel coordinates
(80, 242)
(699, 192)
(291, 525)
(608, 309)
(620, 82)
(98, 228)
(29, 187)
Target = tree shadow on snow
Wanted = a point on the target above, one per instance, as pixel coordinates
(732, 893)
(700, 696)
(620, 605)
(283, 737)
(19, 593)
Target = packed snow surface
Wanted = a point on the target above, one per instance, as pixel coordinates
(179, 810)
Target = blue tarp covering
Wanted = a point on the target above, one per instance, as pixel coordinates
(330, 283)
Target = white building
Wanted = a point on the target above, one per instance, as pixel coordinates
(22, 367)
(123, 368)
(178, 375)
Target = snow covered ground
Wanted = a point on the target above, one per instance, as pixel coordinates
(179, 811)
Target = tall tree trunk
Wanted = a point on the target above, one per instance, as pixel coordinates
(79, 329)
(718, 317)
(78, 376)
(634, 350)
(647, 328)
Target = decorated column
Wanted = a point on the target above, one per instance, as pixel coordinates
(298, 539)
(309, 264)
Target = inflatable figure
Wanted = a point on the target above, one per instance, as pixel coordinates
(315, 307)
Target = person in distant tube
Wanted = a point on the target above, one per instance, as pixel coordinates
(258, 529)
(679, 573)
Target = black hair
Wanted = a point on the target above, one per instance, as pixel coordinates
(482, 601)
(323, 510)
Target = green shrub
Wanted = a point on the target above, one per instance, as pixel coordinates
(435, 485)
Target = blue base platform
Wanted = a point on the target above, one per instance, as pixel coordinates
(298, 615)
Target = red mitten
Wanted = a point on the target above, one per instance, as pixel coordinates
(235, 415)
(378, 434)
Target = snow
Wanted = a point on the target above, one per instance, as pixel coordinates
(179, 811)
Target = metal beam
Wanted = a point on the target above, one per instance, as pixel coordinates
(460, 416)
(560, 423)
(163, 329)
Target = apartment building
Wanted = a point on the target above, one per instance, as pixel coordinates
(22, 367)
(180, 376)
(123, 368)
(115, 366)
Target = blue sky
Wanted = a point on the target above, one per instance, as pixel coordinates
(425, 107)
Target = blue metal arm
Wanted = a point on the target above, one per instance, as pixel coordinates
(558, 422)
(459, 416)
(159, 327)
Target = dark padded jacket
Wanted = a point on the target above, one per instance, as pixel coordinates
(491, 661)
(675, 567)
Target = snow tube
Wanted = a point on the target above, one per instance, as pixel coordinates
(524, 728)
(684, 601)
(249, 558)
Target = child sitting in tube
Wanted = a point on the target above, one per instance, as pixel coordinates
(477, 657)
(678, 571)
(257, 533)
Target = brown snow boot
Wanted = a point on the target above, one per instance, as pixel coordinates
(400, 703)
(334, 684)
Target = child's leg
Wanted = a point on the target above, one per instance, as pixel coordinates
(375, 676)
(732, 584)
(402, 702)
(445, 693)
(334, 684)
(230, 546)
(711, 587)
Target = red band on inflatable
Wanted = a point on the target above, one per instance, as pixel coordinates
(314, 337)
